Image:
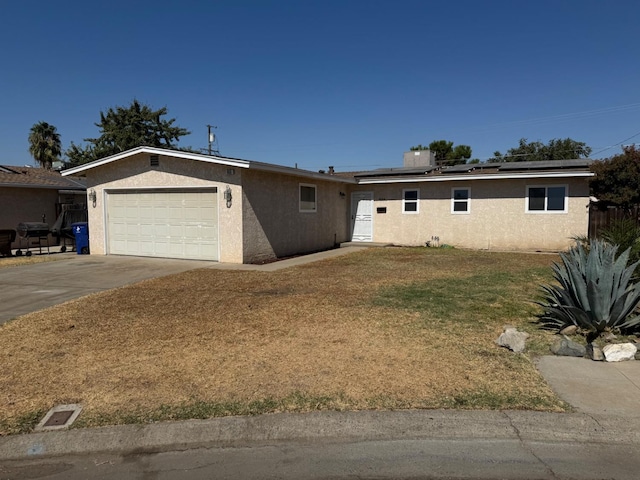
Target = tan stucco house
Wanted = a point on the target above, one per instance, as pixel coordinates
(156, 202)
(29, 194)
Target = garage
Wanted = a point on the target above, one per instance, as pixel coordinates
(172, 223)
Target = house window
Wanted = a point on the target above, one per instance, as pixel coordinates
(547, 199)
(308, 201)
(410, 201)
(460, 200)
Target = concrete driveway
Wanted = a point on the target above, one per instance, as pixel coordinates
(28, 288)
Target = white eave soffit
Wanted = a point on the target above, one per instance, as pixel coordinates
(477, 177)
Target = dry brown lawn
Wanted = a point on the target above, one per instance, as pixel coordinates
(24, 260)
(339, 333)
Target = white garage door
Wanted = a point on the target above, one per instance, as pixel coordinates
(163, 223)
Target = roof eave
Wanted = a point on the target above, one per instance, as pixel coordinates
(156, 151)
(269, 167)
(48, 187)
(454, 178)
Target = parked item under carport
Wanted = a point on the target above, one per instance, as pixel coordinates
(63, 230)
(7, 237)
(29, 230)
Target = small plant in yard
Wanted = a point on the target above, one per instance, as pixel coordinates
(626, 234)
(594, 291)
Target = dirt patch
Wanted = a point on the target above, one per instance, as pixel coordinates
(314, 330)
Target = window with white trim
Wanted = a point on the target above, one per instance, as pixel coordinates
(547, 199)
(460, 200)
(308, 202)
(410, 200)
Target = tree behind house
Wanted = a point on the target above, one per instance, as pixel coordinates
(124, 128)
(445, 153)
(617, 179)
(44, 144)
(556, 149)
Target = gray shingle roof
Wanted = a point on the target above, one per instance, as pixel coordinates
(28, 177)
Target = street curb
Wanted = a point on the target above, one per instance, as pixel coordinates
(318, 427)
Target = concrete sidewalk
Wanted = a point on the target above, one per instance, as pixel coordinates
(595, 388)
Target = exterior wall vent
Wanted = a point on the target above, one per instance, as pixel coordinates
(154, 160)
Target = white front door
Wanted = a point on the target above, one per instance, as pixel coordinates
(362, 217)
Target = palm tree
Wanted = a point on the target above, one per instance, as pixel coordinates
(44, 144)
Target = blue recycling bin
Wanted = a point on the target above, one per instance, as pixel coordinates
(81, 232)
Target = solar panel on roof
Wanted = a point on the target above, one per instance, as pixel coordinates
(463, 167)
(382, 172)
(546, 164)
(488, 165)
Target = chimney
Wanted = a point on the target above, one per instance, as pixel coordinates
(419, 158)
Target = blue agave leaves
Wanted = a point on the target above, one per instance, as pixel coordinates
(594, 291)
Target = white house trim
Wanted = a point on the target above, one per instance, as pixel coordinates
(451, 178)
(157, 151)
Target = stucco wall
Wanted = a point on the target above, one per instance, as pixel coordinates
(135, 172)
(27, 205)
(273, 224)
(497, 218)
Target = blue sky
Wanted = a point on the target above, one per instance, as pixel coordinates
(352, 84)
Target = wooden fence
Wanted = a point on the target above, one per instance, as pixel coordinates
(601, 219)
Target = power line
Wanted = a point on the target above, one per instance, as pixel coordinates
(554, 118)
(617, 144)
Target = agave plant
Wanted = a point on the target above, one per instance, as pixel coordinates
(594, 291)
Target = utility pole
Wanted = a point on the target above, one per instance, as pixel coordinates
(212, 140)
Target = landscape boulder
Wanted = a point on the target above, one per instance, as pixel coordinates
(619, 352)
(512, 339)
(595, 353)
(568, 348)
(570, 330)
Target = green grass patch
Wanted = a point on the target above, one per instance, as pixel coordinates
(24, 423)
(200, 410)
(483, 399)
(479, 299)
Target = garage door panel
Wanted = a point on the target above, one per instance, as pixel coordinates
(180, 224)
(162, 231)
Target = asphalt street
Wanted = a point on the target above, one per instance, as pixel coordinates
(437, 444)
(486, 459)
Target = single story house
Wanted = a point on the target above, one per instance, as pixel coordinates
(149, 201)
(30, 194)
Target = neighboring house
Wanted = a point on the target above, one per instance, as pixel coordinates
(32, 194)
(156, 202)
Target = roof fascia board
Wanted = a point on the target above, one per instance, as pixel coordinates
(479, 177)
(38, 186)
(268, 167)
(157, 151)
